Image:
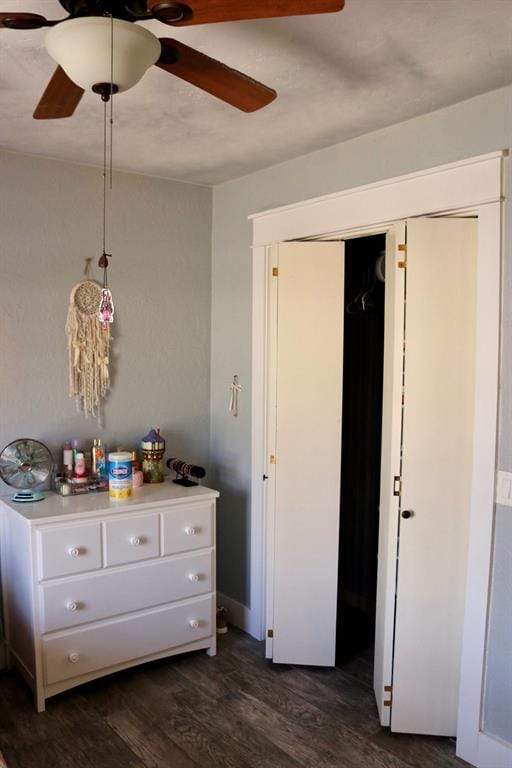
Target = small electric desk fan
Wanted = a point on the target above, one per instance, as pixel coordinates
(25, 464)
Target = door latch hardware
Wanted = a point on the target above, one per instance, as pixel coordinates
(270, 633)
(397, 485)
(275, 271)
(388, 689)
(272, 459)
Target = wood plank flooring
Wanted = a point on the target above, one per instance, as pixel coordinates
(232, 711)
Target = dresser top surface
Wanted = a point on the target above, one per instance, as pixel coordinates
(56, 508)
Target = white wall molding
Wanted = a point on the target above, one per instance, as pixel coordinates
(468, 183)
(238, 614)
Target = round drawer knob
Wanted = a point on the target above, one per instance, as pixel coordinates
(193, 577)
(74, 657)
(135, 541)
(74, 552)
(72, 606)
(193, 623)
(190, 530)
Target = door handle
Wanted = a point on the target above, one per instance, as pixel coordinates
(407, 513)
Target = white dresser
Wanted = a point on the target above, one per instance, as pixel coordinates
(92, 586)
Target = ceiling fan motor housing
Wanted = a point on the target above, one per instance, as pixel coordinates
(127, 9)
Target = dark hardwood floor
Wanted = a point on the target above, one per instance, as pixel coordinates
(232, 711)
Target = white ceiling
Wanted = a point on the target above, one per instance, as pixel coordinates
(376, 63)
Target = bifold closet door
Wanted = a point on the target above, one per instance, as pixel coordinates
(438, 419)
(308, 400)
(394, 306)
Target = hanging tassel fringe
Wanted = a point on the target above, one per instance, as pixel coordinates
(88, 348)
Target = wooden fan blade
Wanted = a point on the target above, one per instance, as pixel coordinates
(209, 11)
(212, 76)
(22, 20)
(60, 98)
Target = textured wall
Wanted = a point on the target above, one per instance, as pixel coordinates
(50, 220)
(473, 127)
(498, 689)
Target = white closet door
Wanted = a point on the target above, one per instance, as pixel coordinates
(436, 473)
(308, 451)
(390, 468)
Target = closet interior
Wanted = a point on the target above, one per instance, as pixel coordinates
(363, 354)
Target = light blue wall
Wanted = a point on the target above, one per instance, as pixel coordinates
(473, 127)
(498, 690)
(160, 236)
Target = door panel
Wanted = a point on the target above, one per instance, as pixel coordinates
(308, 451)
(436, 473)
(390, 467)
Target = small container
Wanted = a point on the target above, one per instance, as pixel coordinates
(67, 459)
(153, 449)
(137, 474)
(62, 486)
(80, 468)
(77, 446)
(120, 475)
(137, 478)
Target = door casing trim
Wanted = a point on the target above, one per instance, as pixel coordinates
(472, 186)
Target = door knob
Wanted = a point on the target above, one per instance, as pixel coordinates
(407, 513)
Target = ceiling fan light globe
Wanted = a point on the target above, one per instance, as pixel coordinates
(82, 47)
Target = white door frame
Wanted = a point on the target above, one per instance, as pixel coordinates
(473, 185)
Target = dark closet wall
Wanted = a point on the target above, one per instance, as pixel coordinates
(361, 446)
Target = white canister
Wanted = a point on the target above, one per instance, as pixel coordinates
(120, 475)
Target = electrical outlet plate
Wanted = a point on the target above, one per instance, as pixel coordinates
(504, 488)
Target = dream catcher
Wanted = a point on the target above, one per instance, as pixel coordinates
(88, 344)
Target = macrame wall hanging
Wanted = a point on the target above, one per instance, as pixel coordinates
(91, 307)
(88, 345)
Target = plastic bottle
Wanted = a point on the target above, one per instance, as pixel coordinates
(80, 468)
(101, 459)
(120, 475)
(137, 473)
(67, 459)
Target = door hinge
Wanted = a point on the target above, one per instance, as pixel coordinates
(275, 271)
(270, 633)
(397, 485)
(402, 247)
(272, 459)
(403, 263)
(388, 689)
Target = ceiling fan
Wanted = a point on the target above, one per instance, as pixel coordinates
(79, 43)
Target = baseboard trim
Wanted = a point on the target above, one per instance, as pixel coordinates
(238, 613)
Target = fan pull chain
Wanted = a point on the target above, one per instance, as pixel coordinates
(111, 93)
(106, 308)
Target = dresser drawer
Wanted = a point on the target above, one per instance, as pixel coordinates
(69, 550)
(131, 539)
(78, 652)
(111, 593)
(187, 528)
